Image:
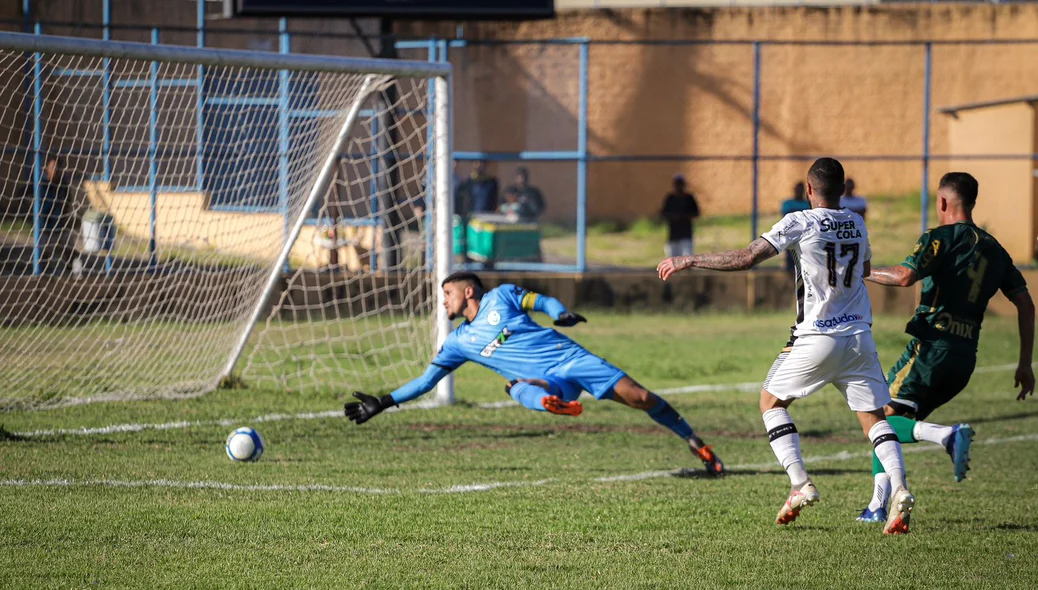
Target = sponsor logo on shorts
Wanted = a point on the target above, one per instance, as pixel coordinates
(839, 320)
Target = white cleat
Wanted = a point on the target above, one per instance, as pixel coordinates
(901, 506)
(807, 495)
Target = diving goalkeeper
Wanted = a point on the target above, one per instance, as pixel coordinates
(546, 370)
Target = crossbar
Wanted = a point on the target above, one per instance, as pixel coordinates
(221, 57)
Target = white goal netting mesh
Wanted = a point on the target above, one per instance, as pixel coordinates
(144, 207)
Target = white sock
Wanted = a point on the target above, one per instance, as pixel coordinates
(785, 442)
(888, 449)
(881, 492)
(934, 433)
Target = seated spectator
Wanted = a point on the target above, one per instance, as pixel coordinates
(851, 201)
(530, 197)
(512, 207)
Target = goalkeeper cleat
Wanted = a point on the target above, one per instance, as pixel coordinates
(879, 515)
(959, 448)
(807, 495)
(556, 405)
(900, 513)
(711, 462)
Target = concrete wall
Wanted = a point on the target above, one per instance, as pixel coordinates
(658, 100)
(184, 220)
(1006, 205)
(652, 100)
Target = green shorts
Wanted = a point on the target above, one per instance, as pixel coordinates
(927, 377)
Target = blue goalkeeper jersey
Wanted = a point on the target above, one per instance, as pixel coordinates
(504, 339)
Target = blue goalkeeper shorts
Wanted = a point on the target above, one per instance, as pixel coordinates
(585, 372)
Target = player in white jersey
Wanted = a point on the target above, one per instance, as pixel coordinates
(832, 340)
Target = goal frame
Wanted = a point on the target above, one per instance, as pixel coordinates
(438, 73)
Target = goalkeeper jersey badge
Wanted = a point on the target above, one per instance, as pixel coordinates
(493, 318)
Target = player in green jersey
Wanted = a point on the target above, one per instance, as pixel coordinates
(961, 267)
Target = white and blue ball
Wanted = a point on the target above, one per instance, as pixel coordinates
(245, 444)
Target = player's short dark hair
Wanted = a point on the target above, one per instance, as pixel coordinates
(464, 277)
(826, 176)
(963, 185)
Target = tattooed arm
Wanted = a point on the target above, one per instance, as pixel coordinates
(757, 252)
(894, 276)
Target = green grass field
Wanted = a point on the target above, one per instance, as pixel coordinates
(471, 497)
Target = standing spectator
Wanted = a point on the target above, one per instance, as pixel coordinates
(57, 218)
(851, 201)
(479, 192)
(797, 203)
(530, 198)
(680, 210)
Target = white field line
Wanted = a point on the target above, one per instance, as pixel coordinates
(198, 485)
(455, 489)
(118, 428)
(747, 387)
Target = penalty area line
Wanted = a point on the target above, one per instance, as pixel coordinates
(454, 489)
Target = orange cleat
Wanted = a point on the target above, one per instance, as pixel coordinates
(900, 513)
(711, 461)
(556, 405)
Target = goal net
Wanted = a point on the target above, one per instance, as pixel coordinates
(175, 218)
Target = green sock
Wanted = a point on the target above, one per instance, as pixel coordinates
(903, 427)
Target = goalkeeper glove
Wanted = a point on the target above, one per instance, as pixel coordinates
(568, 318)
(368, 406)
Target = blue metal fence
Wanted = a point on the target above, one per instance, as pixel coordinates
(281, 102)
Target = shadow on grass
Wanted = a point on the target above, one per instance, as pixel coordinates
(702, 474)
(6, 435)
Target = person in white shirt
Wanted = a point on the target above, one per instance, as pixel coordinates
(832, 340)
(849, 200)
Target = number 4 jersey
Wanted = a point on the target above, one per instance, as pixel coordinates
(830, 249)
(962, 267)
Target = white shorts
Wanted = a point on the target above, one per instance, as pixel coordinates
(850, 363)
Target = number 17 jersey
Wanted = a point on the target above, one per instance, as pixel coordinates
(830, 248)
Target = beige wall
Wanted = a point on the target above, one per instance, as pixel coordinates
(183, 220)
(648, 100)
(658, 100)
(1006, 204)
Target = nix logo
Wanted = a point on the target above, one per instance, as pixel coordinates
(495, 344)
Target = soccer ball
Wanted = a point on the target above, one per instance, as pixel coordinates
(244, 444)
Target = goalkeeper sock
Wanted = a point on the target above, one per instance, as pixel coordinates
(528, 395)
(665, 415)
(785, 442)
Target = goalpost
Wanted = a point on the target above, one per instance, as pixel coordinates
(174, 218)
